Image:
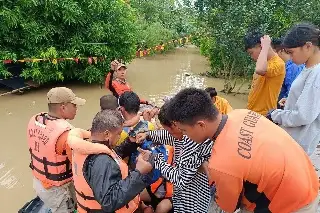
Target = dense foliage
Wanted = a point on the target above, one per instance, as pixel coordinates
(161, 21)
(222, 25)
(60, 29)
(54, 29)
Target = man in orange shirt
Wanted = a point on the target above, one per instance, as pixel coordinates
(50, 155)
(254, 165)
(269, 73)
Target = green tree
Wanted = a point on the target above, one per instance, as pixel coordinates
(55, 29)
(162, 21)
(224, 23)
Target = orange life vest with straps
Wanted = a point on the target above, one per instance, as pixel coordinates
(85, 197)
(168, 185)
(47, 166)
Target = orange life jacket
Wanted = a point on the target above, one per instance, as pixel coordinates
(121, 87)
(273, 167)
(47, 166)
(168, 186)
(85, 198)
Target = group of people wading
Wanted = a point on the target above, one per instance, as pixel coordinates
(195, 154)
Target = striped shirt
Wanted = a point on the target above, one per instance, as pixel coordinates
(191, 189)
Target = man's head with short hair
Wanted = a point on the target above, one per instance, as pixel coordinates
(129, 103)
(252, 44)
(193, 112)
(108, 102)
(277, 44)
(212, 92)
(107, 126)
(280, 50)
(167, 124)
(62, 103)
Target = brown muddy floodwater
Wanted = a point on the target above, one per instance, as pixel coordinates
(152, 78)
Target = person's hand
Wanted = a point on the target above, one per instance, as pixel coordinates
(265, 41)
(113, 65)
(147, 115)
(269, 115)
(141, 137)
(282, 102)
(144, 167)
(156, 111)
(144, 153)
(132, 139)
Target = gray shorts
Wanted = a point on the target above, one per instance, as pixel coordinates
(57, 199)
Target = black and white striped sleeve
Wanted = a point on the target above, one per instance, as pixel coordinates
(189, 163)
(162, 137)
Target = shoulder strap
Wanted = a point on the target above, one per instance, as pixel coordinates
(220, 127)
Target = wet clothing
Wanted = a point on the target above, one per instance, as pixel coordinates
(257, 165)
(292, 72)
(118, 87)
(301, 114)
(265, 89)
(222, 105)
(103, 176)
(184, 174)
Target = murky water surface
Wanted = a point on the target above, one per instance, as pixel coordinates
(152, 78)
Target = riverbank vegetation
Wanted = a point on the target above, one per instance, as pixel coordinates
(79, 38)
(107, 29)
(223, 24)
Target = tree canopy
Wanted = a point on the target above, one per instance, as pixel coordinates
(222, 26)
(81, 29)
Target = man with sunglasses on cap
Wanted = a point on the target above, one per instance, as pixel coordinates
(47, 134)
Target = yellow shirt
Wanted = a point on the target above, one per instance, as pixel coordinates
(265, 89)
(124, 134)
(222, 105)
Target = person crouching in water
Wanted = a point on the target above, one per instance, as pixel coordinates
(221, 103)
(102, 181)
(254, 165)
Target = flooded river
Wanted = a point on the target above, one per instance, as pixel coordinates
(152, 78)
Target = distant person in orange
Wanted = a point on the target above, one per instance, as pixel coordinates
(221, 103)
(50, 155)
(269, 73)
(254, 165)
(116, 80)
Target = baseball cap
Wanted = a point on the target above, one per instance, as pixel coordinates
(121, 65)
(59, 95)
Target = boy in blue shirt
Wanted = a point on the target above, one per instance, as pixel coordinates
(292, 71)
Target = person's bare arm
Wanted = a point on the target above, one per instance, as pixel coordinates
(262, 62)
(76, 141)
(133, 121)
